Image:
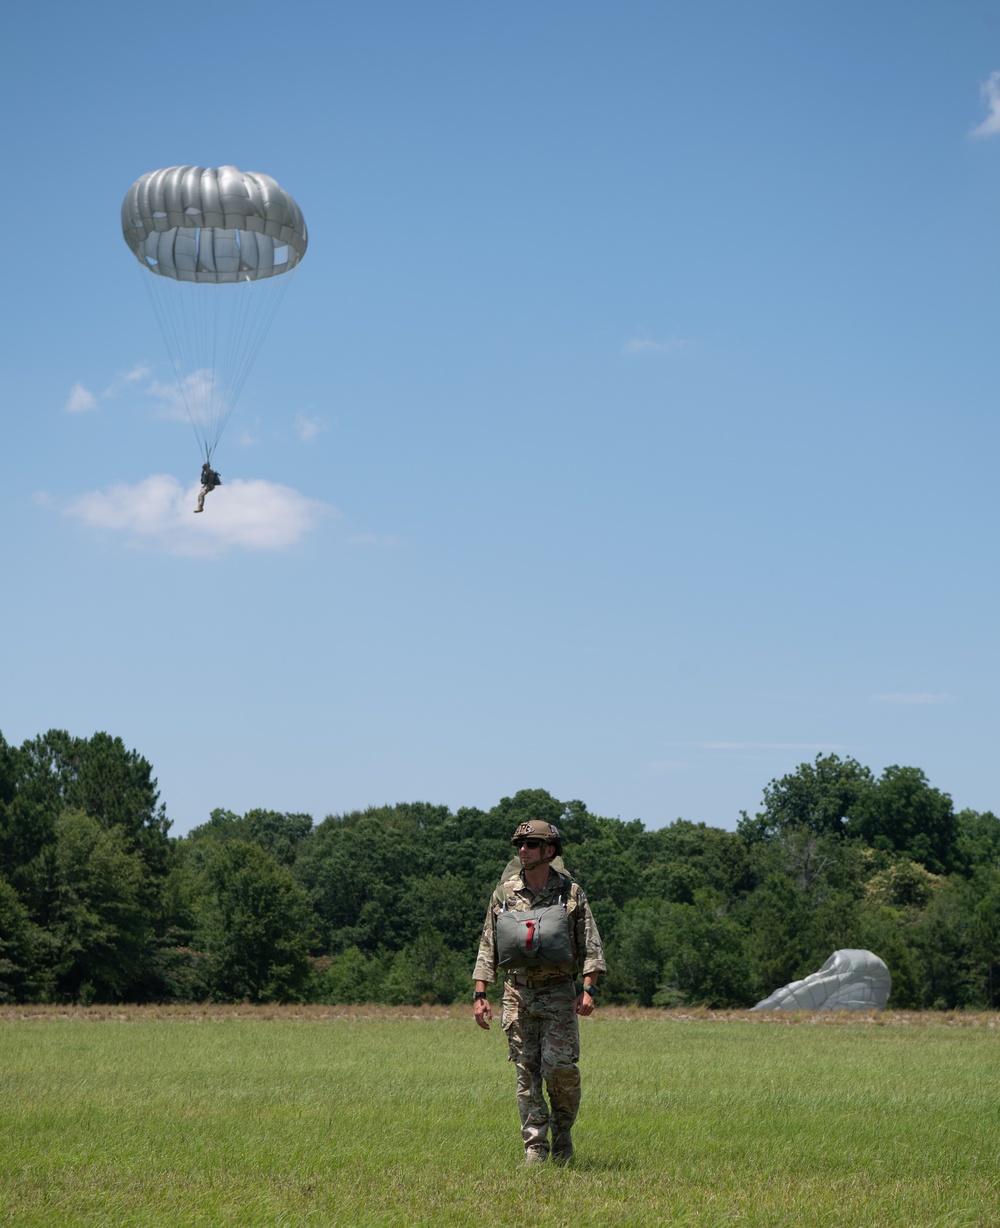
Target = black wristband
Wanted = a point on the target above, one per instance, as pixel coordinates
(477, 994)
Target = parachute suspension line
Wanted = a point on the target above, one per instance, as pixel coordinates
(167, 310)
(256, 306)
(213, 335)
(215, 391)
(261, 302)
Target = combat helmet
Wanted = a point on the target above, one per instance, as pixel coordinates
(539, 829)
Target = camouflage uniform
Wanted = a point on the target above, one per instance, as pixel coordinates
(209, 480)
(538, 1013)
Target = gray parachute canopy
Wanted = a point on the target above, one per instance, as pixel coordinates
(217, 242)
(213, 224)
(850, 980)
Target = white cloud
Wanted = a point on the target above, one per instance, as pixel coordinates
(647, 345)
(123, 379)
(307, 427)
(80, 400)
(914, 697)
(990, 92)
(768, 746)
(195, 396)
(246, 514)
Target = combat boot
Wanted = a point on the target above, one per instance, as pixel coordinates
(534, 1156)
(562, 1147)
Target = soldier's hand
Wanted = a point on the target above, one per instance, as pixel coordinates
(584, 1004)
(483, 1013)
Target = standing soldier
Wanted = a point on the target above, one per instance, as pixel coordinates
(539, 929)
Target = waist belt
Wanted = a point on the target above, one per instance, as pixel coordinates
(537, 982)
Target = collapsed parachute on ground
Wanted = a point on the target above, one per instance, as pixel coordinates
(216, 243)
(850, 980)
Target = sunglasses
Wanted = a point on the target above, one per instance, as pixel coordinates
(530, 844)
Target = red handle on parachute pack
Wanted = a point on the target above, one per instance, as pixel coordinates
(530, 924)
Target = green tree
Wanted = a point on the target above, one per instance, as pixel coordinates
(425, 971)
(8, 788)
(977, 842)
(357, 868)
(684, 858)
(527, 804)
(24, 951)
(257, 926)
(817, 796)
(888, 932)
(117, 787)
(944, 944)
(706, 963)
(671, 954)
(804, 908)
(96, 776)
(354, 977)
(280, 834)
(606, 859)
(636, 955)
(986, 933)
(902, 813)
(94, 909)
(30, 804)
(779, 950)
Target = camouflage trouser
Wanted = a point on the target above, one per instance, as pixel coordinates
(543, 1036)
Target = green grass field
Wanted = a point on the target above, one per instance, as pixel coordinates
(323, 1116)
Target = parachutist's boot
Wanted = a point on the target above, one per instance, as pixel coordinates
(198, 509)
(562, 1147)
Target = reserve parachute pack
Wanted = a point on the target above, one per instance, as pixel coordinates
(535, 938)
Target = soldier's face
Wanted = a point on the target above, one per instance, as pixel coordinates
(533, 853)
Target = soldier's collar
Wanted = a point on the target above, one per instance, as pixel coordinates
(554, 879)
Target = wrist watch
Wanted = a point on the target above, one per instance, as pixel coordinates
(591, 989)
(477, 994)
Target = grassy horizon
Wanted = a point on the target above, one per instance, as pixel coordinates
(326, 1115)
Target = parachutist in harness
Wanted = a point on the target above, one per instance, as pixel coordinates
(216, 246)
(209, 480)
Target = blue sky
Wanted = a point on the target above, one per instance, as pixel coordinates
(628, 431)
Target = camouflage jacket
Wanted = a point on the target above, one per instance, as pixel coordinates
(512, 892)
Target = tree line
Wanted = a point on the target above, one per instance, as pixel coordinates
(98, 903)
